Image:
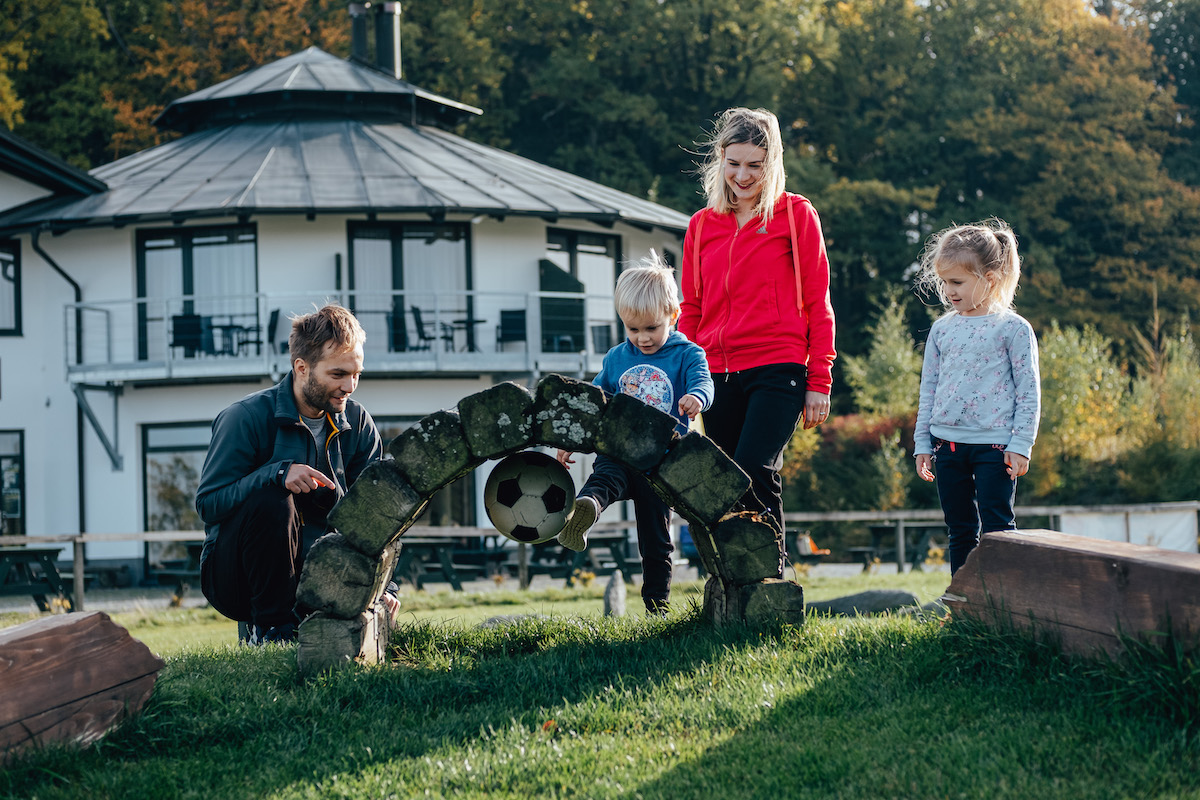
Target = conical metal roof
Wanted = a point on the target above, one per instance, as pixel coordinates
(314, 82)
(313, 134)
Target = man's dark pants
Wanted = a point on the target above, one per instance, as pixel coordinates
(252, 571)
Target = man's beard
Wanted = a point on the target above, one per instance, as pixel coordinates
(317, 396)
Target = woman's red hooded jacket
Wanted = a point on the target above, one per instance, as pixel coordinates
(740, 300)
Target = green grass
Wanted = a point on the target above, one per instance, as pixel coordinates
(585, 706)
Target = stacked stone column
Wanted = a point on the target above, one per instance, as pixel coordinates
(346, 573)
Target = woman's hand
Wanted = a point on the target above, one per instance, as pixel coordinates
(816, 409)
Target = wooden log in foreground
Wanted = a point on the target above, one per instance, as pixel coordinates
(70, 678)
(1083, 593)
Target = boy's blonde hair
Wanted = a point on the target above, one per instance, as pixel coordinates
(647, 289)
(982, 248)
(760, 128)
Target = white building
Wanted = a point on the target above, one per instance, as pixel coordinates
(138, 301)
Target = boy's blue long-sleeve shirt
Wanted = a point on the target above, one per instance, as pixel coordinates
(660, 379)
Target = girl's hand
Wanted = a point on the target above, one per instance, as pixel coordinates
(564, 458)
(816, 409)
(1018, 464)
(925, 467)
(689, 405)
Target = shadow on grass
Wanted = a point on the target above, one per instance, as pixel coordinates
(242, 723)
(894, 709)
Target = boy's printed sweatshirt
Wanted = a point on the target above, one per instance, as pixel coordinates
(743, 310)
(980, 383)
(660, 379)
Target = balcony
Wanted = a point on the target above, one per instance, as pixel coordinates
(200, 339)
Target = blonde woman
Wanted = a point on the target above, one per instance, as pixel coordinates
(756, 298)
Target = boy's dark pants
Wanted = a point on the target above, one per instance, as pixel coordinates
(976, 492)
(753, 416)
(611, 482)
(254, 566)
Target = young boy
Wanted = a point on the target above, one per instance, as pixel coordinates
(663, 369)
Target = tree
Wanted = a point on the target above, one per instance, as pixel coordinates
(1085, 405)
(49, 81)
(886, 380)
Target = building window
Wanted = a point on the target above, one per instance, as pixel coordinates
(593, 260)
(10, 288)
(401, 266)
(205, 276)
(12, 474)
(172, 457)
(453, 504)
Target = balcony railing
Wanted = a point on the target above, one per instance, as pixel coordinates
(408, 333)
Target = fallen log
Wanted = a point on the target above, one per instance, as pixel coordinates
(70, 678)
(1080, 592)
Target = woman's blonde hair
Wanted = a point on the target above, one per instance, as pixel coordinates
(647, 289)
(758, 127)
(982, 248)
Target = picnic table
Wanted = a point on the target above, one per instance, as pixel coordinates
(32, 571)
(429, 552)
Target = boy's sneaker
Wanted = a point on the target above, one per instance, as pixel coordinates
(583, 517)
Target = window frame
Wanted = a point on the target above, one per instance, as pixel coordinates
(13, 248)
(187, 236)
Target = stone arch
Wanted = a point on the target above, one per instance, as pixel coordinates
(345, 572)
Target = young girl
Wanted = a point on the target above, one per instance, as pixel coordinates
(980, 389)
(756, 298)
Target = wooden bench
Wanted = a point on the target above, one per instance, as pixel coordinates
(183, 572)
(428, 552)
(32, 571)
(613, 543)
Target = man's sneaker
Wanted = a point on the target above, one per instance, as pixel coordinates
(257, 635)
(583, 517)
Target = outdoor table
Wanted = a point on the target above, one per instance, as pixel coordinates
(32, 571)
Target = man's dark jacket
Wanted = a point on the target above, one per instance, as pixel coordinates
(257, 439)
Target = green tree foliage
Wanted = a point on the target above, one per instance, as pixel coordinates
(51, 63)
(886, 380)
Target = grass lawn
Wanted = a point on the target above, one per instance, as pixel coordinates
(572, 704)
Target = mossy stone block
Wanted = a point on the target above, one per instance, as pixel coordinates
(498, 420)
(747, 549)
(341, 582)
(703, 482)
(434, 452)
(565, 414)
(634, 433)
(380, 505)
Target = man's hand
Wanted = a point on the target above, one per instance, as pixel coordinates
(393, 604)
(564, 458)
(689, 404)
(302, 479)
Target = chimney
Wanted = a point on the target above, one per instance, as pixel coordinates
(387, 38)
(358, 33)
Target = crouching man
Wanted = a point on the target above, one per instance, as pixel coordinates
(278, 461)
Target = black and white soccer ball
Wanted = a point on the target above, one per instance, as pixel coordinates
(528, 497)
